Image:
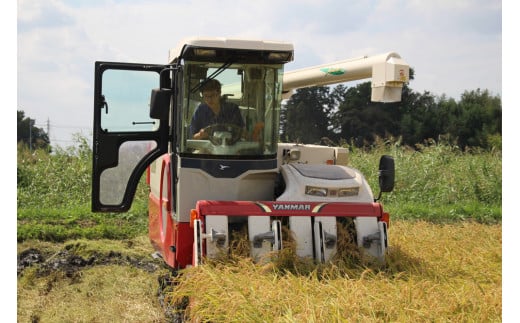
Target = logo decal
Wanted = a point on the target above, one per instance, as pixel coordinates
(292, 207)
(222, 167)
(318, 207)
(264, 207)
(402, 76)
(333, 71)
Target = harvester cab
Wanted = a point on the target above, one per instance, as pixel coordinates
(239, 178)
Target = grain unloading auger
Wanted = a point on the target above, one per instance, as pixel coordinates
(237, 180)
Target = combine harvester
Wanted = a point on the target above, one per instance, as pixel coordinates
(201, 191)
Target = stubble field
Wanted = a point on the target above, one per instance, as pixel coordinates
(435, 273)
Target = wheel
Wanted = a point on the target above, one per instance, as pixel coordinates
(223, 134)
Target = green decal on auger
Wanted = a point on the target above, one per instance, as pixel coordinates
(333, 71)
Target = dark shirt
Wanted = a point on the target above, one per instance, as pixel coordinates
(204, 116)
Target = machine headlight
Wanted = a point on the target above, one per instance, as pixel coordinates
(280, 57)
(316, 191)
(204, 52)
(348, 191)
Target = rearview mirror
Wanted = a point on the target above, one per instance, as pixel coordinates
(160, 103)
(386, 173)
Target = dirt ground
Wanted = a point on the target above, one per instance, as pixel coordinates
(42, 272)
(70, 264)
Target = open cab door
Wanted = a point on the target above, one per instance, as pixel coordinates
(127, 135)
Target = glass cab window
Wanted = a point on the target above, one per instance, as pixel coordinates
(127, 96)
(239, 119)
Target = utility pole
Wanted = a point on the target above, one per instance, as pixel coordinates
(31, 123)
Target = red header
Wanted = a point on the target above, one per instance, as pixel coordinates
(270, 208)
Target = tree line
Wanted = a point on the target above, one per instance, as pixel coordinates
(345, 115)
(30, 135)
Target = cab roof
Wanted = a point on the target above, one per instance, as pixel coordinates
(186, 46)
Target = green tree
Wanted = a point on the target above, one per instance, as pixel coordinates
(359, 120)
(346, 114)
(305, 117)
(30, 135)
(417, 118)
(479, 119)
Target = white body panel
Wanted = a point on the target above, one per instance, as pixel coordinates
(257, 226)
(195, 184)
(217, 237)
(325, 237)
(367, 227)
(311, 154)
(296, 183)
(301, 228)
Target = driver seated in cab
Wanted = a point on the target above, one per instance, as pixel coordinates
(214, 110)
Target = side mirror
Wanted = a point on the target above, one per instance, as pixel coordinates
(386, 173)
(160, 103)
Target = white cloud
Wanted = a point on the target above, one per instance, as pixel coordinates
(452, 45)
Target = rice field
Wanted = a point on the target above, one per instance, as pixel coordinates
(434, 273)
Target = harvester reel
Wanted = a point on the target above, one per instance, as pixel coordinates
(223, 134)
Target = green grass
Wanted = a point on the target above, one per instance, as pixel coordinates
(437, 183)
(53, 199)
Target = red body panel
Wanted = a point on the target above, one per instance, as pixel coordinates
(271, 208)
(163, 234)
(176, 235)
(183, 244)
(154, 223)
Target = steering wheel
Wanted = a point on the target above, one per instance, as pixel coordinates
(223, 134)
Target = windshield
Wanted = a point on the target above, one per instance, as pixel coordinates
(230, 109)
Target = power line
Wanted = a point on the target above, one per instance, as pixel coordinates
(55, 127)
(72, 127)
(62, 140)
(61, 127)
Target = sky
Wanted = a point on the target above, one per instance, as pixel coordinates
(453, 46)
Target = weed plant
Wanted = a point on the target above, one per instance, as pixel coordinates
(437, 181)
(434, 182)
(53, 198)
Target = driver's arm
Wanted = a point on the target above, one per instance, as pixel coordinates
(200, 135)
(196, 126)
